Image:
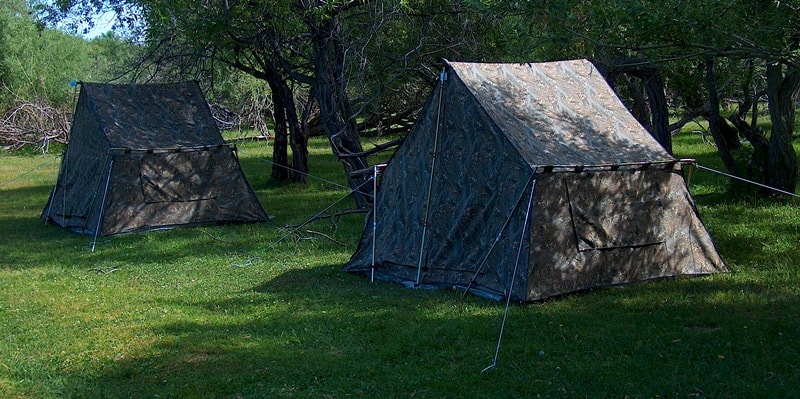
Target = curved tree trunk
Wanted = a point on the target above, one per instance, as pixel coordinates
(782, 92)
(653, 112)
(714, 118)
(334, 105)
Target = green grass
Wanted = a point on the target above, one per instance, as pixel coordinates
(250, 311)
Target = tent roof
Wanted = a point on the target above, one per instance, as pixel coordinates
(559, 113)
(149, 116)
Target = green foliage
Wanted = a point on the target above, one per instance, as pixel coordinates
(42, 62)
(37, 67)
(38, 63)
(254, 311)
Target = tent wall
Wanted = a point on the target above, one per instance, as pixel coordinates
(75, 200)
(167, 188)
(472, 177)
(147, 156)
(606, 228)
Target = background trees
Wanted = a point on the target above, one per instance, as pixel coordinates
(36, 66)
(350, 66)
(705, 52)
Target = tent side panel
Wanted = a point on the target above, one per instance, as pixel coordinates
(160, 189)
(478, 180)
(75, 201)
(400, 202)
(610, 228)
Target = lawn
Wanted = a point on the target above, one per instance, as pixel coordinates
(263, 311)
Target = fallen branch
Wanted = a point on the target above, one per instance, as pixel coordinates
(328, 216)
(326, 236)
(33, 124)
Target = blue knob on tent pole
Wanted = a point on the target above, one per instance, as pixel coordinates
(73, 83)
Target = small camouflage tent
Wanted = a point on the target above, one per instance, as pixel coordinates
(531, 181)
(147, 156)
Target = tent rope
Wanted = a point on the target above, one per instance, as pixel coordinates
(318, 214)
(746, 181)
(513, 276)
(331, 182)
(249, 261)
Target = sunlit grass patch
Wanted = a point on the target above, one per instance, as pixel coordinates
(263, 310)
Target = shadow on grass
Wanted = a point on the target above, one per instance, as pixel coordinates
(760, 234)
(315, 333)
(28, 242)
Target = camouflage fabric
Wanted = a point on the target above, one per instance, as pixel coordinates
(534, 181)
(142, 157)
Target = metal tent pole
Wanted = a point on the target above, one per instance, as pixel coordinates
(374, 219)
(496, 240)
(513, 277)
(442, 79)
(103, 203)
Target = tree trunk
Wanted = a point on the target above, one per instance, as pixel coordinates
(758, 163)
(782, 92)
(713, 118)
(297, 136)
(652, 110)
(288, 131)
(654, 87)
(334, 105)
(280, 156)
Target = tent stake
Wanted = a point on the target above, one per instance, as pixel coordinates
(513, 277)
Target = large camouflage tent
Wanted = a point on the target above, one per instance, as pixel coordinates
(147, 156)
(529, 181)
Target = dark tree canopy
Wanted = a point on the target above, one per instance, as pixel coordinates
(374, 62)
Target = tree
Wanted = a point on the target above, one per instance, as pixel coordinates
(680, 32)
(36, 66)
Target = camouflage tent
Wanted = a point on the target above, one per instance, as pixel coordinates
(142, 157)
(531, 181)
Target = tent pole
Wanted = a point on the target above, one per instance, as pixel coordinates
(65, 164)
(374, 220)
(496, 240)
(442, 79)
(102, 204)
(513, 277)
